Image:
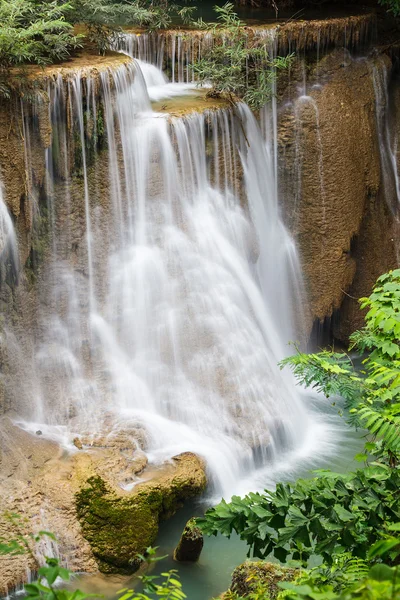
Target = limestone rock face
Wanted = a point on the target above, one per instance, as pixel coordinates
(332, 185)
(191, 543)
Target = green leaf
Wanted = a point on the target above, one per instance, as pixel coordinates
(382, 572)
(361, 457)
(343, 514)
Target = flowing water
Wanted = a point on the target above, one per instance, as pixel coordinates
(387, 141)
(168, 317)
(182, 308)
(8, 239)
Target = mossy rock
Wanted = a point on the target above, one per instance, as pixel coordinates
(251, 577)
(191, 543)
(119, 525)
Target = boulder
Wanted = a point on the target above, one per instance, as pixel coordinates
(119, 525)
(251, 577)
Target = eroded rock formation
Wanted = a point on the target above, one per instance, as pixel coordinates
(333, 186)
(50, 491)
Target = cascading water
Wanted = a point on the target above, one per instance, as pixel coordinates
(387, 142)
(172, 317)
(8, 238)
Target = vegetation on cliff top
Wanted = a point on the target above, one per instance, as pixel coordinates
(42, 31)
(234, 67)
(392, 5)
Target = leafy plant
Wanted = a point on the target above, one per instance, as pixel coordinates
(392, 6)
(372, 396)
(34, 31)
(170, 588)
(235, 66)
(326, 516)
(345, 519)
(351, 578)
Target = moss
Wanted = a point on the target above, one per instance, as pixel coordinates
(120, 525)
(259, 578)
(117, 527)
(191, 543)
(40, 240)
(94, 137)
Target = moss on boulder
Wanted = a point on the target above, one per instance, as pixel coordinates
(119, 524)
(260, 577)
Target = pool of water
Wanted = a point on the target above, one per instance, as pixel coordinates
(212, 574)
(254, 16)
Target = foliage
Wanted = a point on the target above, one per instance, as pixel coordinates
(392, 6)
(233, 65)
(103, 18)
(344, 519)
(323, 516)
(350, 578)
(47, 586)
(161, 14)
(34, 31)
(41, 31)
(170, 588)
(373, 396)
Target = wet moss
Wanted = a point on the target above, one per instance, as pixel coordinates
(117, 527)
(260, 578)
(120, 525)
(40, 241)
(94, 138)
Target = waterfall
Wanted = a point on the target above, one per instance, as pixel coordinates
(174, 51)
(167, 298)
(387, 142)
(8, 238)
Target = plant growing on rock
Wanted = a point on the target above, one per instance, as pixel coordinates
(234, 65)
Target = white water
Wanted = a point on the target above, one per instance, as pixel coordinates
(179, 307)
(387, 142)
(8, 238)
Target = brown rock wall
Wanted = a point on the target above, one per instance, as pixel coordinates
(332, 185)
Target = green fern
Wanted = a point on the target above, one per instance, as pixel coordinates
(373, 396)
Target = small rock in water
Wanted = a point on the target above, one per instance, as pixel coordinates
(191, 543)
(77, 443)
(38, 432)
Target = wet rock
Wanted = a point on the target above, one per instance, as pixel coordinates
(118, 525)
(191, 543)
(38, 432)
(54, 482)
(77, 443)
(331, 187)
